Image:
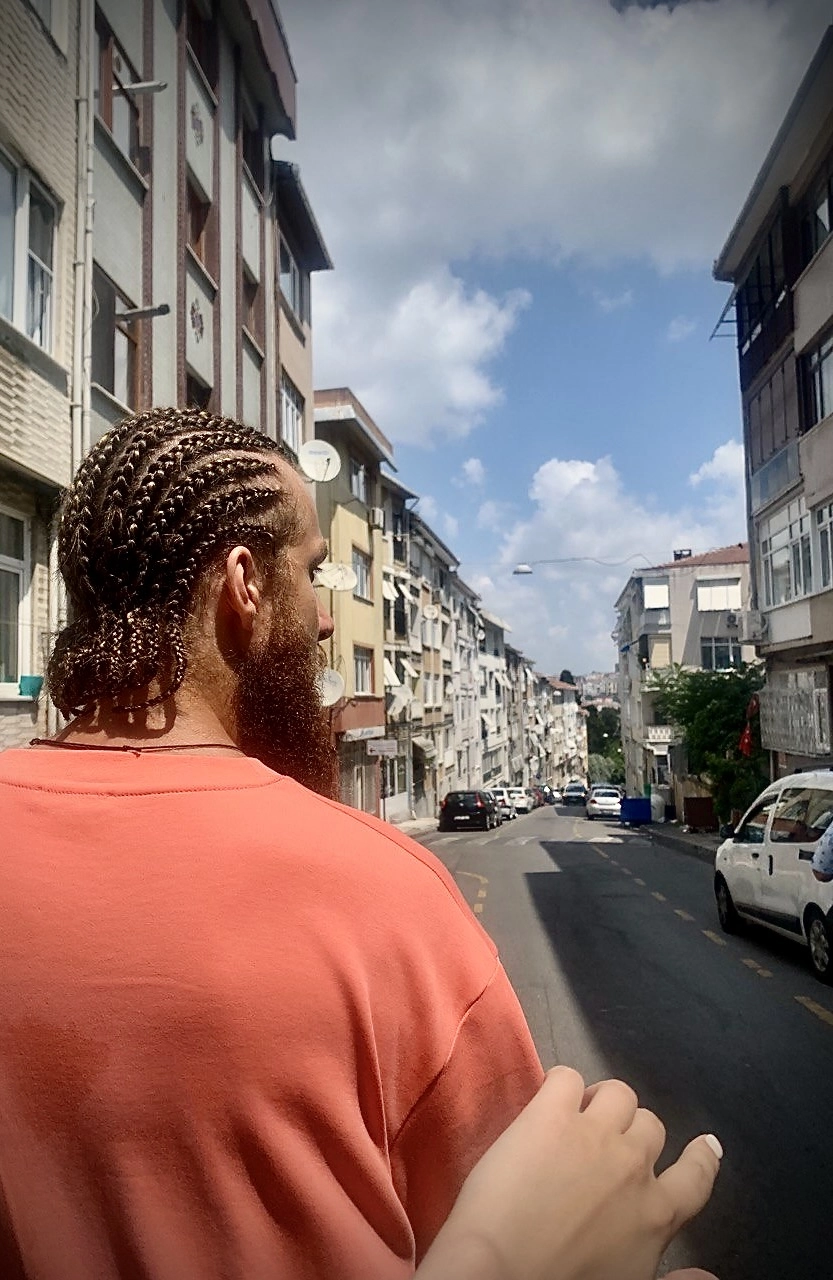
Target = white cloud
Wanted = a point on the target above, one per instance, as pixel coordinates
(493, 515)
(451, 525)
(428, 509)
(597, 530)
(680, 328)
(474, 471)
(613, 302)
(446, 132)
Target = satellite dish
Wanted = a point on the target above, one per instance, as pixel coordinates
(481, 634)
(431, 612)
(319, 460)
(330, 687)
(336, 577)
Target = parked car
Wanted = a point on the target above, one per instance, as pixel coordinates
(521, 799)
(555, 796)
(468, 809)
(505, 804)
(492, 794)
(603, 802)
(575, 793)
(762, 869)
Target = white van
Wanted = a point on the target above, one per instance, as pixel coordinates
(762, 872)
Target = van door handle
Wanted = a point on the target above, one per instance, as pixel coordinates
(771, 864)
(805, 855)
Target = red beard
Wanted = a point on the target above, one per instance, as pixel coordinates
(278, 708)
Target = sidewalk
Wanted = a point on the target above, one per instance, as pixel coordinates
(416, 827)
(697, 844)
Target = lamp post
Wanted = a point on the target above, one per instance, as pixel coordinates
(528, 566)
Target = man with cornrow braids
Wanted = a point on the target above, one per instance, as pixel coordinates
(246, 1033)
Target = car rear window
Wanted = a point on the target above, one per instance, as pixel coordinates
(461, 795)
(605, 793)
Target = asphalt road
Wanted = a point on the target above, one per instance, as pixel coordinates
(613, 946)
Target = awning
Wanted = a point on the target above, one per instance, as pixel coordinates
(389, 590)
(406, 591)
(424, 744)
(409, 669)
(391, 678)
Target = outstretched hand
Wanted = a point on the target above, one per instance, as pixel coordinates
(569, 1192)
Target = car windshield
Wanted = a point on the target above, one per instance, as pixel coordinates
(605, 793)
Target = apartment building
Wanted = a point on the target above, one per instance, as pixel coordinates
(779, 259)
(39, 373)
(568, 733)
(493, 697)
(351, 516)
(467, 741)
(688, 611)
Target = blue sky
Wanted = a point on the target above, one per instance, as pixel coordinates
(523, 199)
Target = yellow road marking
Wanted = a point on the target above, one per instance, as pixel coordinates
(627, 871)
(613, 862)
(678, 911)
(638, 880)
(601, 853)
(481, 893)
(818, 1009)
(755, 967)
(715, 937)
(478, 908)
(484, 880)
(660, 897)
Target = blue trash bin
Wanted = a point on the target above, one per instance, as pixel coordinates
(635, 811)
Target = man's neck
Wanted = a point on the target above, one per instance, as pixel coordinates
(179, 723)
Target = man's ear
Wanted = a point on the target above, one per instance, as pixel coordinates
(241, 587)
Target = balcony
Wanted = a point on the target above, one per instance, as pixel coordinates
(658, 734)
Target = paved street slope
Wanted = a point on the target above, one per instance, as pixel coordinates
(613, 946)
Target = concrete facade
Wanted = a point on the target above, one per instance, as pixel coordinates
(779, 258)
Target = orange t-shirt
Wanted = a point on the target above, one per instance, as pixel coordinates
(245, 1033)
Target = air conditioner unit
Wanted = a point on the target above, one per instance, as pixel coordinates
(753, 626)
(376, 518)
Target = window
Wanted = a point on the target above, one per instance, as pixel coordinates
(252, 310)
(719, 653)
(802, 815)
(114, 345)
(197, 394)
(752, 831)
(786, 555)
(201, 35)
(363, 669)
(817, 213)
(716, 594)
(817, 382)
(27, 245)
(824, 533)
(655, 594)
(358, 480)
(43, 8)
(363, 569)
(292, 282)
(252, 139)
(763, 290)
(198, 212)
(116, 106)
(12, 594)
(292, 414)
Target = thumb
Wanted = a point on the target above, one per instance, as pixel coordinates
(690, 1181)
(690, 1273)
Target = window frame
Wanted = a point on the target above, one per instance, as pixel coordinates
(363, 663)
(127, 330)
(23, 569)
(817, 381)
(711, 642)
(22, 254)
(800, 554)
(291, 399)
(359, 487)
(113, 83)
(362, 565)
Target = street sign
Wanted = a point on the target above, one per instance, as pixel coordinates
(383, 747)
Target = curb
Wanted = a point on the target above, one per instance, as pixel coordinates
(703, 852)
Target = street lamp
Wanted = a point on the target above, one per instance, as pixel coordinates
(527, 566)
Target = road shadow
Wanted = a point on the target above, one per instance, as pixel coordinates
(661, 1004)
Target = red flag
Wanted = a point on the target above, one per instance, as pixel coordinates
(745, 744)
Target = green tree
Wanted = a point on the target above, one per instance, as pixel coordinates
(709, 708)
(566, 677)
(603, 730)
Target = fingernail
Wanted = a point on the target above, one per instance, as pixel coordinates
(714, 1143)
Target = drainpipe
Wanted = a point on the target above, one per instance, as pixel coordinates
(83, 260)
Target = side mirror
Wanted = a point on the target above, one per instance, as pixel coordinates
(726, 831)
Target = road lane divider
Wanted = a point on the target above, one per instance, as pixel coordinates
(660, 897)
(818, 1009)
(755, 967)
(684, 915)
(639, 880)
(715, 938)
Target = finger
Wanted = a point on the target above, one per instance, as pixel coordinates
(648, 1132)
(612, 1104)
(689, 1182)
(564, 1086)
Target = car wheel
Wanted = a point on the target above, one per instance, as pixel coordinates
(730, 921)
(820, 942)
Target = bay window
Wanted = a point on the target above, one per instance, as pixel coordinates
(786, 554)
(27, 246)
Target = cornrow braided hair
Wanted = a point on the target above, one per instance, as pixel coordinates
(153, 504)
